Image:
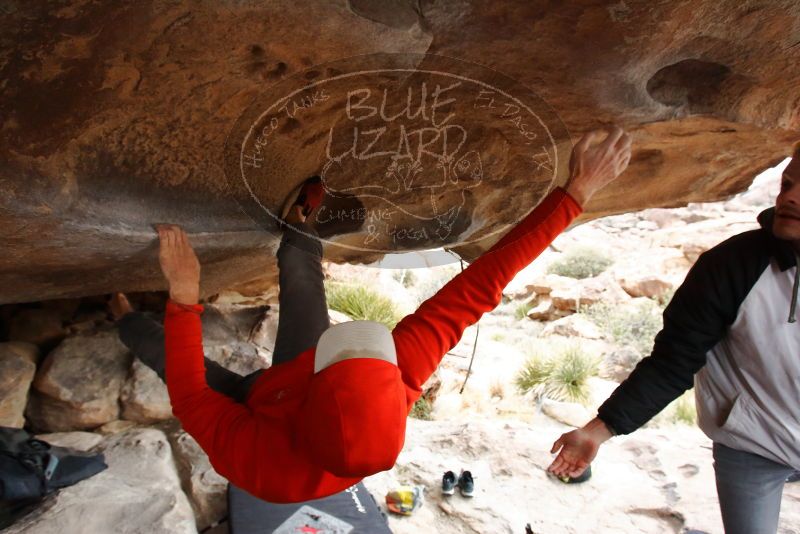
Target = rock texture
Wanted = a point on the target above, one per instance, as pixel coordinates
(117, 117)
(16, 374)
(40, 327)
(240, 339)
(671, 471)
(144, 396)
(139, 492)
(78, 384)
(206, 489)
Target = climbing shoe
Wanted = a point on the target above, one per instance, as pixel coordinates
(466, 484)
(449, 483)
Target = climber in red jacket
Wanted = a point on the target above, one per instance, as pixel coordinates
(333, 406)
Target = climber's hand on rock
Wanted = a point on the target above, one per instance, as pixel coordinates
(577, 449)
(595, 162)
(179, 264)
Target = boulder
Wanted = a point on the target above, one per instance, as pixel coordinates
(573, 298)
(42, 327)
(29, 351)
(619, 363)
(545, 310)
(116, 426)
(144, 396)
(87, 322)
(139, 133)
(569, 413)
(708, 233)
(78, 384)
(599, 390)
(139, 492)
(16, 373)
(81, 441)
(663, 218)
(583, 293)
(230, 335)
(646, 286)
(634, 486)
(573, 326)
(207, 490)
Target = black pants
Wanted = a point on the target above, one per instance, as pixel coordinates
(303, 316)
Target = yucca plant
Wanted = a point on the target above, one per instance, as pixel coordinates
(361, 303)
(562, 376)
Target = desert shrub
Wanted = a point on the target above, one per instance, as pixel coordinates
(665, 298)
(580, 262)
(684, 408)
(405, 277)
(634, 325)
(561, 376)
(422, 409)
(521, 310)
(497, 390)
(361, 303)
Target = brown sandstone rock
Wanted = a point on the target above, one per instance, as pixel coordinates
(107, 132)
(16, 374)
(545, 310)
(28, 351)
(78, 384)
(646, 286)
(573, 326)
(41, 327)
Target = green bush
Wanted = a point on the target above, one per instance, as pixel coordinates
(522, 309)
(361, 303)
(562, 376)
(685, 409)
(581, 262)
(634, 325)
(422, 409)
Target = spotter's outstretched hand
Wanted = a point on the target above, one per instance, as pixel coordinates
(577, 449)
(179, 264)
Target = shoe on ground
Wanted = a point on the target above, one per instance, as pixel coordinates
(583, 477)
(449, 483)
(466, 484)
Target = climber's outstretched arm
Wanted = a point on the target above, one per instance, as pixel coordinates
(424, 337)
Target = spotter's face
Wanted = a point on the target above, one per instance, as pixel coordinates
(787, 205)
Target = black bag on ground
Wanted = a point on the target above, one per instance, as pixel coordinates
(31, 468)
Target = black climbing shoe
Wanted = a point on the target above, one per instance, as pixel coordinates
(449, 483)
(465, 484)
